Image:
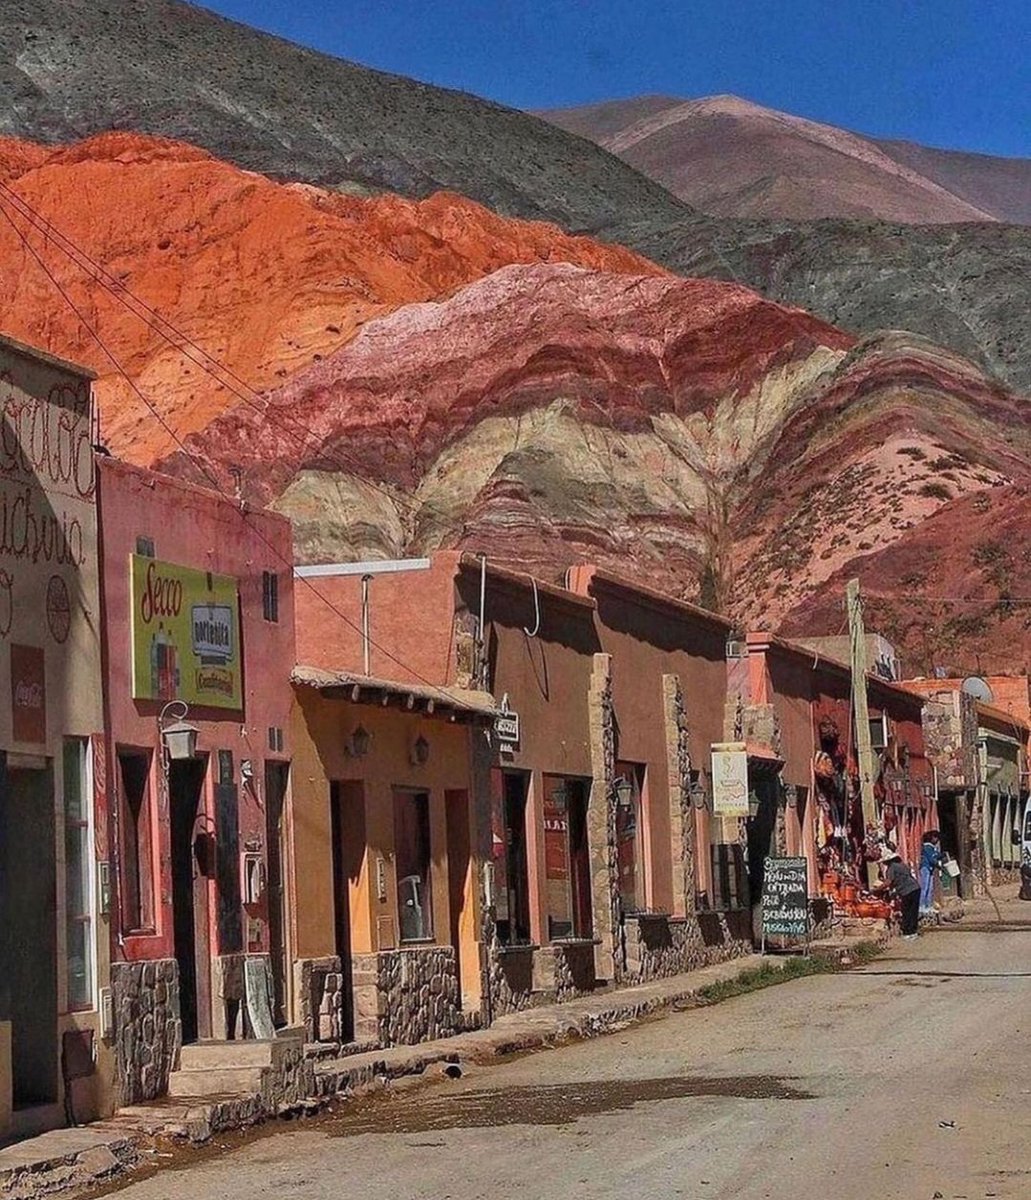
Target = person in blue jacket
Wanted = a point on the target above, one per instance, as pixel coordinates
(930, 861)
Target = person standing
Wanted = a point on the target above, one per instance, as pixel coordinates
(900, 880)
(930, 861)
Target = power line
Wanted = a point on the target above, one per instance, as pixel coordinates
(183, 343)
(202, 467)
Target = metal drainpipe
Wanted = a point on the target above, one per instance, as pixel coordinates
(366, 648)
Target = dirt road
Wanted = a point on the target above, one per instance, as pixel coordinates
(908, 1079)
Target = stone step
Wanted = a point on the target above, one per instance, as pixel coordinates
(222, 1081)
(247, 1053)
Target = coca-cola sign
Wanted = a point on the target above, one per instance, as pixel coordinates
(28, 694)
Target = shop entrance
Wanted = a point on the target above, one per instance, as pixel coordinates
(347, 814)
(762, 832)
(28, 911)
(276, 776)
(193, 853)
(460, 895)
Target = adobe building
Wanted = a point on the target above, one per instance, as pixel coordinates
(980, 752)
(198, 650)
(56, 1056)
(792, 709)
(386, 915)
(587, 807)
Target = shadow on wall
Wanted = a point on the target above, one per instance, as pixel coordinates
(737, 921)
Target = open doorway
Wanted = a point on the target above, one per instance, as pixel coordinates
(276, 777)
(28, 909)
(461, 885)
(347, 812)
(192, 867)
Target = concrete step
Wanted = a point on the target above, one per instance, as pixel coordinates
(211, 1081)
(250, 1053)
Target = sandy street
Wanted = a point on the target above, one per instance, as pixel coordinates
(909, 1079)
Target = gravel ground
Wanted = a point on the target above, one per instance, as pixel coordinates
(910, 1078)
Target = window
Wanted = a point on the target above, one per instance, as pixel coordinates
(270, 596)
(511, 879)
(878, 733)
(144, 546)
(566, 859)
(412, 862)
(78, 873)
(137, 853)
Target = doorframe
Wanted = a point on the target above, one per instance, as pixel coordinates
(204, 886)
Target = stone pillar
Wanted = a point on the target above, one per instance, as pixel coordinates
(148, 1031)
(610, 953)
(681, 816)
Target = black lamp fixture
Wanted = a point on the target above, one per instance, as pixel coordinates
(420, 751)
(358, 745)
(624, 790)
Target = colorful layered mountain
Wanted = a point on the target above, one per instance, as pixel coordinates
(71, 68)
(252, 279)
(734, 158)
(685, 432)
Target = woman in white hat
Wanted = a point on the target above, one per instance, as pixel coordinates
(898, 878)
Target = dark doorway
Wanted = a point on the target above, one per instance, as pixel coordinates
(192, 866)
(512, 883)
(580, 858)
(276, 777)
(458, 855)
(762, 830)
(347, 810)
(29, 914)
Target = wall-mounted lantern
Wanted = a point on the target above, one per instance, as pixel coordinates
(358, 744)
(624, 789)
(420, 752)
(178, 737)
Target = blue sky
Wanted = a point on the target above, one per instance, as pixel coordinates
(951, 73)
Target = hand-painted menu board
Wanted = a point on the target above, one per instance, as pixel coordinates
(785, 898)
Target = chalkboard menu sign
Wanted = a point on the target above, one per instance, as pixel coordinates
(785, 898)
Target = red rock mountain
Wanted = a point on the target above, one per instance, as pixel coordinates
(737, 159)
(264, 277)
(673, 429)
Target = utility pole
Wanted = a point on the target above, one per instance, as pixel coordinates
(860, 710)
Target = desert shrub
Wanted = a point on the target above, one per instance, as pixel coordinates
(936, 491)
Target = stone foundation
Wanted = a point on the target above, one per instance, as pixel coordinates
(148, 1032)
(523, 977)
(406, 996)
(319, 987)
(659, 947)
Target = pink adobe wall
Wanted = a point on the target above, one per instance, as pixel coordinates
(195, 527)
(410, 622)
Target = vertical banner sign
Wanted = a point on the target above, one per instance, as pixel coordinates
(185, 635)
(729, 779)
(785, 899)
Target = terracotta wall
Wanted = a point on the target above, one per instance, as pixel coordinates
(650, 636)
(410, 623)
(198, 528)
(321, 728)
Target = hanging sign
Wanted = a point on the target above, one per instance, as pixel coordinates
(785, 898)
(729, 779)
(185, 635)
(506, 728)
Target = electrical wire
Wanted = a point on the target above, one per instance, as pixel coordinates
(288, 563)
(182, 342)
